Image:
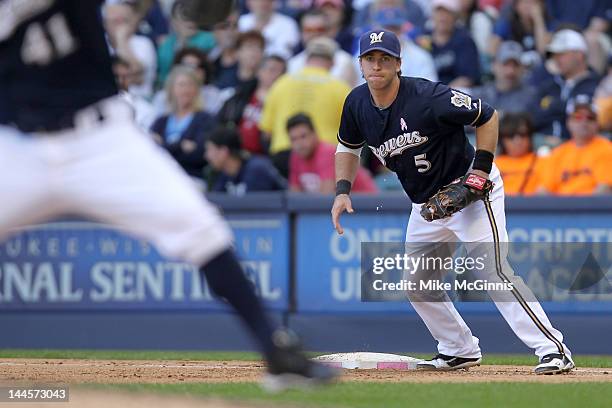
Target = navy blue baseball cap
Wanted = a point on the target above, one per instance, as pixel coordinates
(381, 40)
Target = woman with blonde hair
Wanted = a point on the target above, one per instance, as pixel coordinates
(184, 130)
(210, 96)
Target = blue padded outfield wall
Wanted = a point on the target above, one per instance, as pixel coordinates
(78, 284)
(81, 266)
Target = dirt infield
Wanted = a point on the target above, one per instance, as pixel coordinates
(55, 371)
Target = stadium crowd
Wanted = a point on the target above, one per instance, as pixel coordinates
(255, 102)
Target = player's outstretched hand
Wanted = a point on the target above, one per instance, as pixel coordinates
(341, 203)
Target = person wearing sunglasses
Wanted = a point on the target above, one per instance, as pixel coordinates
(520, 167)
(583, 164)
(314, 24)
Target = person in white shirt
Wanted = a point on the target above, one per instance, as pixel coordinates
(143, 110)
(281, 32)
(121, 21)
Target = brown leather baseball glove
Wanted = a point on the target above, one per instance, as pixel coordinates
(455, 196)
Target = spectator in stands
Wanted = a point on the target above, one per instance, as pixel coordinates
(154, 24)
(151, 21)
(166, 6)
(144, 113)
(250, 53)
(224, 56)
(314, 24)
(294, 8)
(183, 131)
(592, 18)
(454, 52)
(416, 62)
(518, 163)
(239, 172)
(603, 100)
(337, 22)
(311, 165)
(415, 14)
(585, 15)
(508, 92)
(280, 31)
(210, 97)
(243, 110)
(479, 24)
(121, 21)
(314, 91)
(184, 34)
(527, 23)
(582, 165)
(574, 77)
(492, 7)
(425, 6)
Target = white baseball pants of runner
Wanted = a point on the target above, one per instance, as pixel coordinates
(482, 222)
(111, 172)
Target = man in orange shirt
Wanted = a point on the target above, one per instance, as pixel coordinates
(582, 165)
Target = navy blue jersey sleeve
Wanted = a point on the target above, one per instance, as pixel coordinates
(453, 107)
(349, 134)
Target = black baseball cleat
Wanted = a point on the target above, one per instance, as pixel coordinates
(554, 364)
(442, 362)
(288, 367)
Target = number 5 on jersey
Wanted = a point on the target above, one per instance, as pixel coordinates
(44, 42)
(421, 163)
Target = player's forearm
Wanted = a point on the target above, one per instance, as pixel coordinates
(327, 187)
(486, 135)
(347, 165)
(486, 143)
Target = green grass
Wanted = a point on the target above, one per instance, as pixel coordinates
(391, 395)
(489, 359)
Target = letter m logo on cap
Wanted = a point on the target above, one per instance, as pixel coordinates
(376, 38)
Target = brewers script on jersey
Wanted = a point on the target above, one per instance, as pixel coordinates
(420, 136)
(68, 145)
